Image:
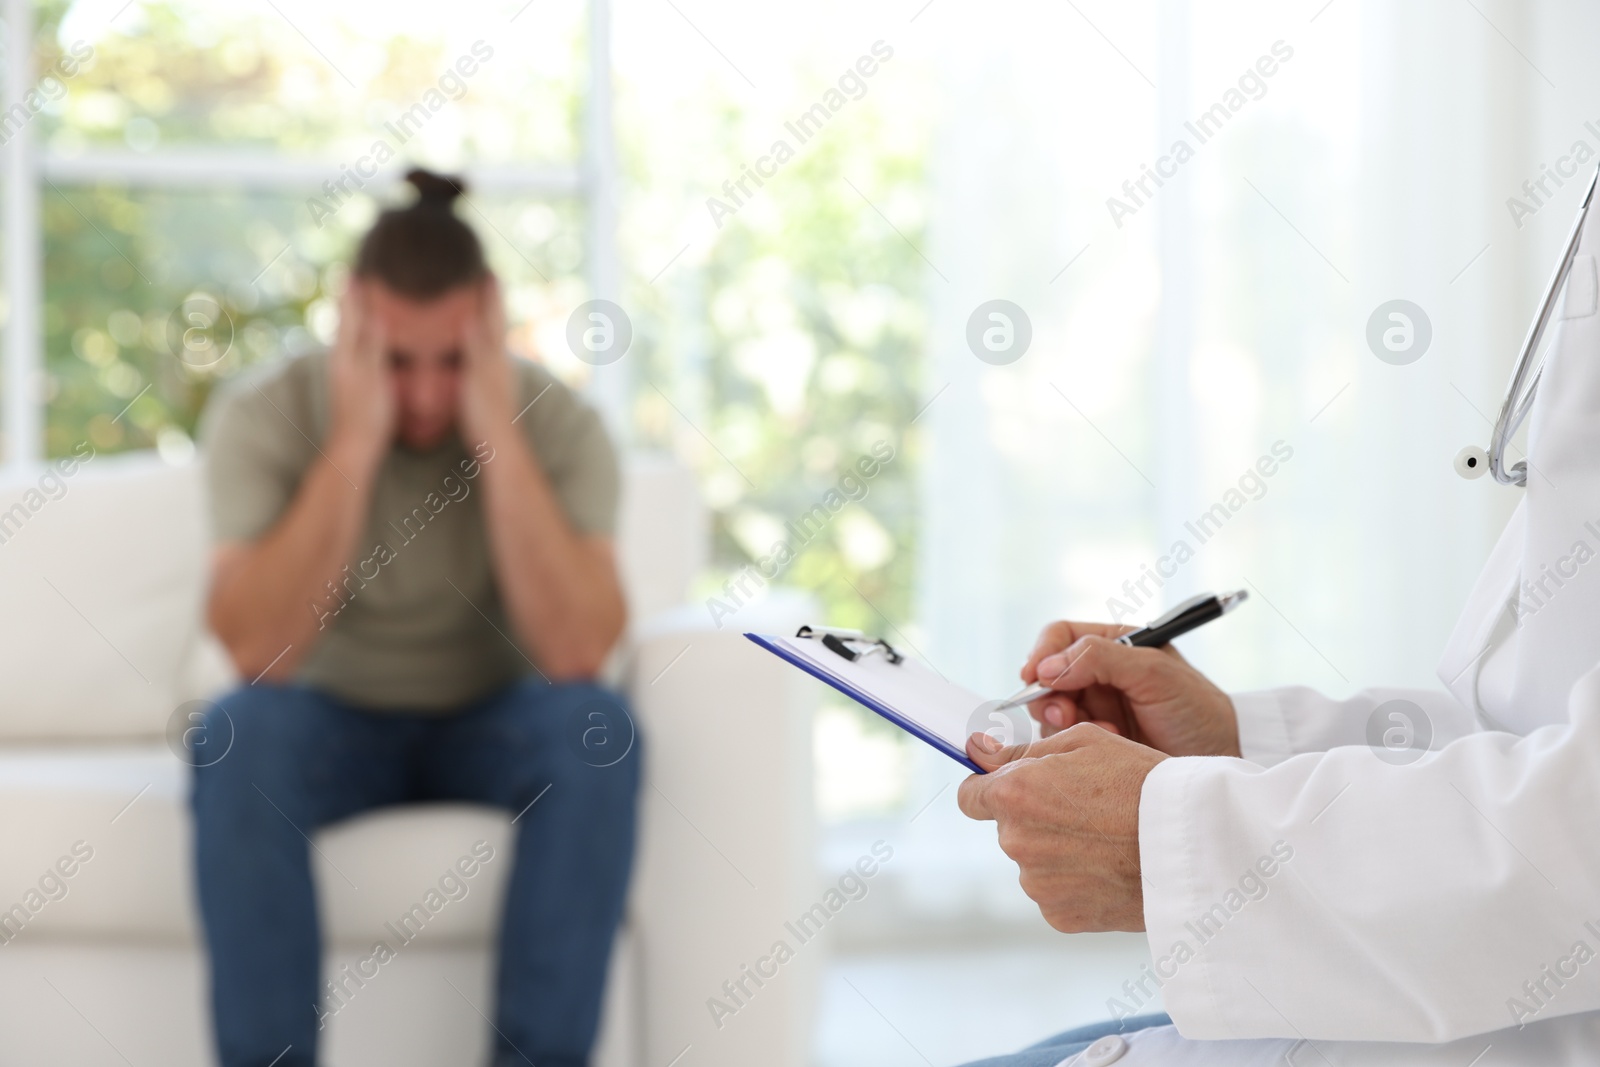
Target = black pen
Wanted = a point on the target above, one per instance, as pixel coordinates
(1191, 614)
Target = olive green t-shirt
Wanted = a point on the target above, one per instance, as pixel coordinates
(415, 623)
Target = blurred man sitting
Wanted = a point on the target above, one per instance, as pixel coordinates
(414, 564)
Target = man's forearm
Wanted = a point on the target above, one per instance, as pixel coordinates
(561, 594)
(264, 595)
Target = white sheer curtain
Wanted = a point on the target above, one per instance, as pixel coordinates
(1227, 315)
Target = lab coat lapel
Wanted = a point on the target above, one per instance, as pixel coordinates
(1531, 625)
(1481, 628)
(1557, 601)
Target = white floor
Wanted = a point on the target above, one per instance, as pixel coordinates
(945, 1006)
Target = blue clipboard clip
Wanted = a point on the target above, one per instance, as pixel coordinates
(839, 641)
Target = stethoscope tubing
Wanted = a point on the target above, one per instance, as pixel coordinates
(1525, 375)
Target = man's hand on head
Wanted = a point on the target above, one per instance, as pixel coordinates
(487, 404)
(1067, 808)
(364, 404)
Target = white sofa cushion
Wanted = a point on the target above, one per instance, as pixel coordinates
(102, 587)
(129, 805)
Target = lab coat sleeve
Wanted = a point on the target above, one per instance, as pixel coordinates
(1342, 897)
(1275, 724)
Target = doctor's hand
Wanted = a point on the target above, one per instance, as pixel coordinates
(1067, 810)
(1150, 695)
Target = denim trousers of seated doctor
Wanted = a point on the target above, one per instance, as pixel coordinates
(1062, 1047)
(276, 763)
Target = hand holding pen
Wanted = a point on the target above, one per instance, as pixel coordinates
(1132, 682)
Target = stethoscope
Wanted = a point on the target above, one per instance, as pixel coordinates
(1472, 461)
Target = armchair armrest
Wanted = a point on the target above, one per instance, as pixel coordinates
(726, 853)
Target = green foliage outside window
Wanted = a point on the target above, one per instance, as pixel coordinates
(804, 325)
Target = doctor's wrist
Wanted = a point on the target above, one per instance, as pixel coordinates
(1216, 729)
(1230, 735)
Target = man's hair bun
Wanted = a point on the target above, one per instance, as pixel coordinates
(423, 249)
(435, 190)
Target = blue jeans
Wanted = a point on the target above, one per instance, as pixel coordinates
(1053, 1050)
(300, 759)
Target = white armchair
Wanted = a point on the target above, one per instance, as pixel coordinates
(101, 641)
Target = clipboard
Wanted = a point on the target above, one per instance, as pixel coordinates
(903, 690)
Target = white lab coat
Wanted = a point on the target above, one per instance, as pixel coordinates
(1425, 910)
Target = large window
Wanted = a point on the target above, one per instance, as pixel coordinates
(202, 170)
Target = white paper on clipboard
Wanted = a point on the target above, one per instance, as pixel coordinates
(910, 694)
